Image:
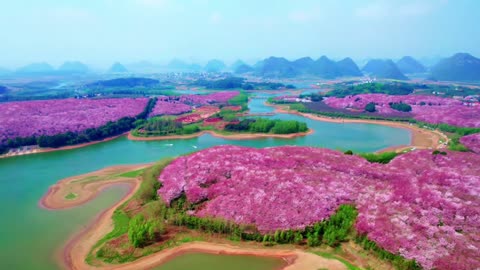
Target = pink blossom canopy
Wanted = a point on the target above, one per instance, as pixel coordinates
(429, 109)
(50, 117)
(423, 206)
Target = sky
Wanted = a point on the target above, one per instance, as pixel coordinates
(99, 32)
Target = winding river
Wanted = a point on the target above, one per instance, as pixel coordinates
(31, 237)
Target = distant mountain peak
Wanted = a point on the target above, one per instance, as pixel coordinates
(324, 58)
(243, 69)
(408, 65)
(237, 64)
(215, 65)
(117, 68)
(348, 67)
(73, 67)
(459, 67)
(385, 69)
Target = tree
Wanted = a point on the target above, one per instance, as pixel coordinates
(402, 107)
(298, 238)
(370, 107)
(138, 231)
(141, 231)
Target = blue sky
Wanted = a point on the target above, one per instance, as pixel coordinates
(99, 32)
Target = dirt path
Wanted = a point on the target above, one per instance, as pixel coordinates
(88, 186)
(421, 138)
(214, 134)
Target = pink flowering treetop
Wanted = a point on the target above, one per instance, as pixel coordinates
(429, 109)
(174, 105)
(472, 142)
(51, 117)
(422, 206)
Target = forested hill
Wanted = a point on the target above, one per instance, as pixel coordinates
(409, 65)
(383, 69)
(125, 82)
(459, 67)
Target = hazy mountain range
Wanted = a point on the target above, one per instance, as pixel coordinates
(459, 67)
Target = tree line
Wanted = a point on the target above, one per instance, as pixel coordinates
(374, 88)
(163, 126)
(263, 125)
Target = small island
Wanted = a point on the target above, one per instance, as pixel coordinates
(229, 120)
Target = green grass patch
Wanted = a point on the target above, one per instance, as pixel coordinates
(383, 158)
(455, 145)
(71, 196)
(347, 264)
(120, 227)
(132, 174)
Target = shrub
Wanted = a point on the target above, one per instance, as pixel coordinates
(402, 107)
(370, 107)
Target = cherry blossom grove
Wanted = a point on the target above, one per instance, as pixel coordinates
(169, 108)
(430, 109)
(174, 105)
(472, 142)
(422, 206)
(50, 117)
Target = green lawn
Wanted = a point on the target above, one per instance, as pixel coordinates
(331, 256)
(132, 174)
(71, 196)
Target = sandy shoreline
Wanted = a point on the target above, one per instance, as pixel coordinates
(421, 138)
(214, 134)
(85, 189)
(77, 248)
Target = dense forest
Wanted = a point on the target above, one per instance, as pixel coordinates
(372, 88)
(262, 125)
(164, 126)
(124, 82)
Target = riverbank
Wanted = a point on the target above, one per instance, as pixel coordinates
(69, 147)
(421, 138)
(241, 136)
(79, 246)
